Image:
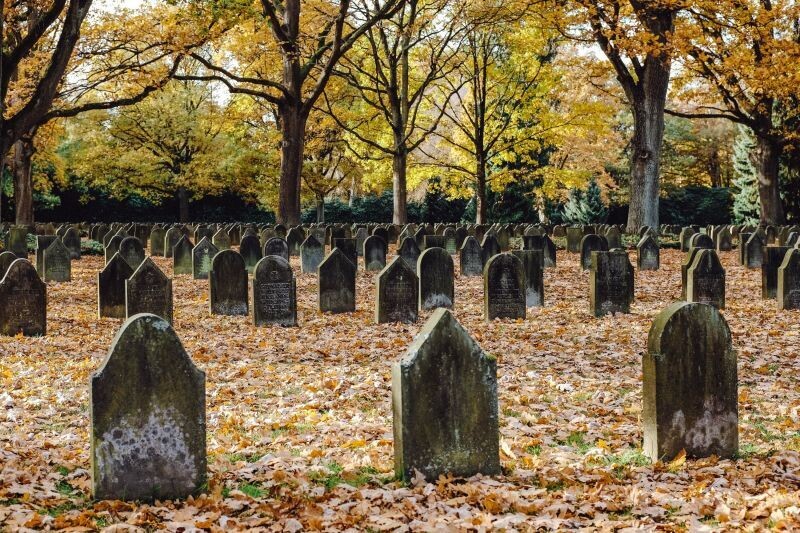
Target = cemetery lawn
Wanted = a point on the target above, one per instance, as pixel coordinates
(300, 421)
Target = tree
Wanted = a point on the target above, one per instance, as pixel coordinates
(308, 44)
(745, 181)
(585, 207)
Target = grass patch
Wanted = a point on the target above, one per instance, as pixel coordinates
(535, 450)
(623, 461)
(576, 439)
(254, 491)
(330, 478)
(247, 458)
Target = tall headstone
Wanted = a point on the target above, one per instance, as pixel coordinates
(17, 241)
(772, 260)
(613, 238)
(23, 301)
(227, 284)
(132, 251)
(543, 243)
(436, 279)
(348, 248)
(490, 247)
(221, 239)
(250, 249)
(274, 292)
(57, 265)
(648, 254)
(444, 401)
(753, 251)
(148, 290)
(409, 251)
(690, 387)
(202, 255)
(397, 293)
(312, 252)
(277, 247)
(471, 257)
(182, 256)
(788, 280)
(591, 243)
(611, 283)
(111, 288)
(294, 238)
(374, 253)
(685, 235)
(148, 416)
(361, 236)
(171, 238)
(157, 237)
(574, 237)
(705, 280)
(723, 241)
(337, 283)
(533, 265)
(72, 241)
(504, 288)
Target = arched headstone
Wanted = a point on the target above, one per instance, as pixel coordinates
(132, 251)
(227, 284)
(274, 292)
(436, 279)
(503, 288)
(111, 288)
(337, 283)
(23, 301)
(397, 293)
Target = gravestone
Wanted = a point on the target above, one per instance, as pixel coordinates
(182, 256)
(111, 288)
(772, 258)
(202, 255)
(685, 235)
(701, 240)
(409, 251)
(280, 231)
(337, 283)
(689, 390)
(221, 240)
(23, 301)
(227, 284)
(250, 249)
(434, 241)
(397, 293)
(705, 280)
(294, 238)
(503, 288)
(687, 262)
(72, 241)
(753, 251)
(591, 243)
(132, 251)
(112, 247)
(203, 232)
(277, 247)
(266, 235)
(274, 292)
(450, 238)
(611, 283)
(723, 240)
(348, 248)
(471, 257)
(361, 237)
(56, 262)
(533, 265)
(6, 258)
(17, 242)
(613, 238)
(171, 238)
(148, 290)
(444, 403)
(312, 252)
(574, 237)
(490, 247)
(157, 237)
(543, 243)
(374, 253)
(436, 279)
(648, 254)
(788, 293)
(148, 416)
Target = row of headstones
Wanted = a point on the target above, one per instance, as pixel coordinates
(148, 403)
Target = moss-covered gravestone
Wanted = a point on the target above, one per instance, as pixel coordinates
(611, 283)
(450, 240)
(182, 256)
(772, 258)
(705, 280)
(148, 290)
(250, 249)
(504, 288)
(337, 283)
(361, 236)
(397, 293)
(277, 247)
(221, 239)
(274, 292)
(701, 240)
(17, 241)
(111, 288)
(42, 243)
(409, 251)
(23, 301)
(374, 253)
(533, 265)
(294, 238)
(648, 254)
(157, 241)
(684, 237)
(56, 261)
(444, 400)
(171, 238)
(753, 251)
(470, 257)
(613, 238)
(788, 292)
(72, 241)
(203, 232)
(6, 258)
(687, 262)
(202, 255)
(227, 284)
(574, 236)
(545, 244)
(132, 251)
(690, 384)
(490, 247)
(436, 279)
(148, 416)
(591, 243)
(312, 252)
(723, 241)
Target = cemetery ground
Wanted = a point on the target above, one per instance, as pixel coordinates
(300, 419)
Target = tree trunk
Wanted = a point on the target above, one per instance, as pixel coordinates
(400, 192)
(320, 209)
(649, 100)
(23, 186)
(183, 204)
(293, 131)
(480, 191)
(766, 158)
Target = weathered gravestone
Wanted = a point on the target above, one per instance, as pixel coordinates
(274, 292)
(723, 240)
(111, 288)
(312, 252)
(788, 293)
(705, 279)
(504, 288)
(574, 236)
(490, 247)
(543, 243)
(471, 257)
(591, 243)
(17, 241)
(450, 238)
(171, 238)
(148, 416)
(6, 258)
(701, 240)
(132, 251)
(277, 247)
(157, 236)
(348, 248)
(687, 262)
(685, 235)
(182, 256)
(433, 241)
(613, 238)
(23, 301)
(444, 403)
(337, 283)
(360, 237)
(148, 290)
(409, 251)
(772, 260)
(753, 251)
(611, 283)
(227, 284)
(221, 239)
(397, 293)
(203, 232)
(689, 387)
(72, 241)
(56, 262)
(250, 249)
(374, 253)
(436, 279)
(533, 265)
(648, 254)
(111, 248)
(743, 238)
(202, 255)
(294, 238)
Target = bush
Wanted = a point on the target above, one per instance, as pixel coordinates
(696, 205)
